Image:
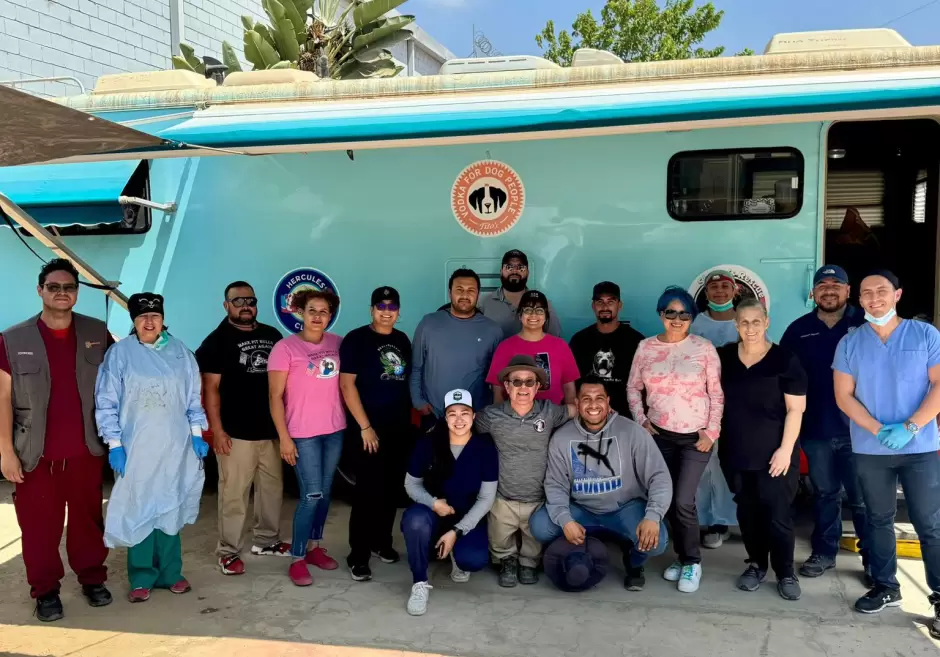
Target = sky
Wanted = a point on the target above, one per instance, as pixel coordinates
(511, 25)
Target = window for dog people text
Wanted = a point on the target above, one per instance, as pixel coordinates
(760, 183)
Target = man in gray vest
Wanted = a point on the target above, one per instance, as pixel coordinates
(49, 444)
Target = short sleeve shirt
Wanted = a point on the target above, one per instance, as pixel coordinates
(477, 462)
(382, 364)
(609, 356)
(891, 381)
(550, 353)
(755, 408)
(312, 398)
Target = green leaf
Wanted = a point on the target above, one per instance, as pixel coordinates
(381, 68)
(299, 23)
(248, 22)
(385, 44)
(380, 29)
(229, 58)
(367, 11)
(181, 64)
(286, 39)
(189, 54)
(253, 43)
(274, 10)
(265, 33)
(281, 64)
(303, 6)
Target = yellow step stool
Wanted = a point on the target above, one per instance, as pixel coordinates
(907, 548)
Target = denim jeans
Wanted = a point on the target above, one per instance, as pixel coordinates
(421, 528)
(620, 523)
(832, 468)
(920, 479)
(317, 459)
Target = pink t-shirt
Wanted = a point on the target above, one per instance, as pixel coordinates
(682, 381)
(312, 398)
(550, 353)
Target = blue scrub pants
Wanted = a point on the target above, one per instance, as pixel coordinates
(422, 527)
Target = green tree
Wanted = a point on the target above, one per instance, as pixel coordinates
(638, 31)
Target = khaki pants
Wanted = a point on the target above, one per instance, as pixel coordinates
(249, 461)
(506, 521)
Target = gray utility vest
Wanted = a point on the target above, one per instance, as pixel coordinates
(32, 383)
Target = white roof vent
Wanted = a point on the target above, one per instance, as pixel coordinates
(796, 42)
(592, 57)
(495, 64)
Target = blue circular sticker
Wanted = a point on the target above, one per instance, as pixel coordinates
(305, 278)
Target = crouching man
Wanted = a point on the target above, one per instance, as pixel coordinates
(605, 475)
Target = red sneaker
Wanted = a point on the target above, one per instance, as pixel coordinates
(181, 587)
(231, 565)
(139, 595)
(299, 574)
(319, 558)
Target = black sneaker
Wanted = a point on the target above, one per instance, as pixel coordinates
(750, 579)
(387, 555)
(877, 599)
(49, 608)
(528, 575)
(635, 580)
(789, 588)
(360, 572)
(97, 595)
(816, 565)
(509, 572)
(934, 626)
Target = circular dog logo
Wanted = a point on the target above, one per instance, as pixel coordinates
(290, 284)
(750, 285)
(488, 198)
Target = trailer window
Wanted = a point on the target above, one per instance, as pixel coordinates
(735, 184)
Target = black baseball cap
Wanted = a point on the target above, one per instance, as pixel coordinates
(515, 254)
(886, 273)
(386, 293)
(606, 287)
(533, 298)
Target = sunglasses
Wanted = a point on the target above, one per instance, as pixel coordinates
(681, 315)
(238, 302)
(519, 268)
(390, 307)
(55, 288)
(518, 383)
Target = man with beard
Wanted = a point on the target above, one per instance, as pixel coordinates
(233, 360)
(606, 348)
(824, 435)
(452, 349)
(502, 305)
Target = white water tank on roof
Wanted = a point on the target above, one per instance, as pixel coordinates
(797, 42)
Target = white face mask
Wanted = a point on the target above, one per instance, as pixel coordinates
(881, 321)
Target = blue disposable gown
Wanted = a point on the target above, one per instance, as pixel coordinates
(149, 400)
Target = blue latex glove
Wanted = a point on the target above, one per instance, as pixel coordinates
(894, 436)
(117, 458)
(200, 446)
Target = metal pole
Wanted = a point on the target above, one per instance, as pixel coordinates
(56, 245)
(177, 26)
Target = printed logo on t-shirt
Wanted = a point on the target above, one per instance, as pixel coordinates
(540, 425)
(393, 363)
(542, 360)
(604, 364)
(253, 355)
(595, 471)
(322, 368)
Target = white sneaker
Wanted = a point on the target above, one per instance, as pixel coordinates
(673, 573)
(713, 540)
(459, 576)
(418, 602)
(690, 578)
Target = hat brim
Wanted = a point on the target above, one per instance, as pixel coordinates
(553, 564)
(537, 371)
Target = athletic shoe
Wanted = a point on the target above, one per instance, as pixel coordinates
(360, 572)
(690, 578)
(278, 549)
(181, 587)
(509, 572)
(751, 578)
(635, 580)
(714, 540)
(319, 558)
(789, 588)
(387, 555)
(418, 601)
(934, 627)
(97, 595)
(49, 608)
(299, 574)
(877, 599)
(231, 564)
(456, 574)
(816, 565)
(673, 572)
(139, 595)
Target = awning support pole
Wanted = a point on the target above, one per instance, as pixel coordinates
(54, 244)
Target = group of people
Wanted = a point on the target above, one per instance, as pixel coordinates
(532, 450)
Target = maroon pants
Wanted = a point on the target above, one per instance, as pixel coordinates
(40, 503)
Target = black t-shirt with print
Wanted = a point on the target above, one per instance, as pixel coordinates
(755, 410)
(382, 364)
(609, 356)
(241, 357)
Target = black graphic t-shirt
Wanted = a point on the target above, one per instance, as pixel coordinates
(382, 364)
(241, 357)
(609, 356)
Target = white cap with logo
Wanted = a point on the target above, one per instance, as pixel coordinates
(455, 397)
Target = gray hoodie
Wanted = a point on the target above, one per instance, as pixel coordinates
(600, 472)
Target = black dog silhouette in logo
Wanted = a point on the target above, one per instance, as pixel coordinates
(488, 200)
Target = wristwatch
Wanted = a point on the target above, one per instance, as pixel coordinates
(458, 532)
(913, 428)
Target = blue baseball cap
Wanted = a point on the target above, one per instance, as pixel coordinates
(830, 271)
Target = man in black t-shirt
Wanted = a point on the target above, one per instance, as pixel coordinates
(375, 362)
(606, 348)
(233, 360)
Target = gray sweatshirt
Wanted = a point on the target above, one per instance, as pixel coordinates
(451, 353)
(600, 472)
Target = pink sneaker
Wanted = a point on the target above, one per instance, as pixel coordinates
(181, 587)
(319, 558)
(299, 574)
(139, 595)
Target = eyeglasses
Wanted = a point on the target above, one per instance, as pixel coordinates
(518, 383)
(55, 288)
(238, 302)
(681, 315)
(515, 267)
(529, 310)
(390, 307)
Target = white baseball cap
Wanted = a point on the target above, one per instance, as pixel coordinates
(457, 397)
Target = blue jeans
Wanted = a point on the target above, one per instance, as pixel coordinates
(317, 459)
(620, 523)
(422, 527)
(832, 468)
(920, 479)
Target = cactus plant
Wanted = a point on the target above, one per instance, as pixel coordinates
(189, 62)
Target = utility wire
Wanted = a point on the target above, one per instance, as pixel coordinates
(912, 11)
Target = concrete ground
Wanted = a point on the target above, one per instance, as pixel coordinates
(261, 613)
